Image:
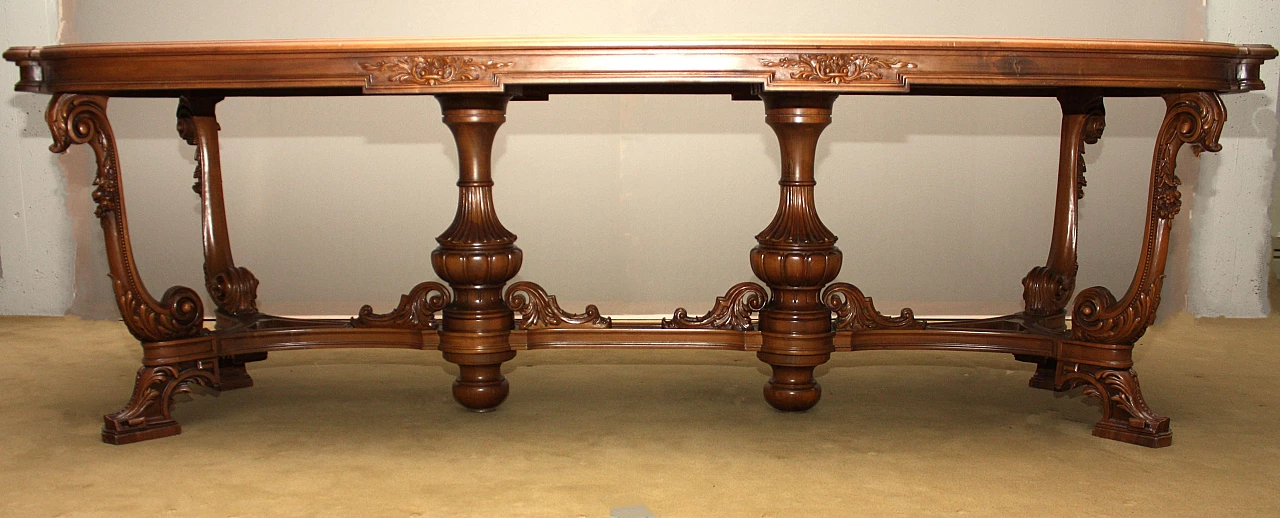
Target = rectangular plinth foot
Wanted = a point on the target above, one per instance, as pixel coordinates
(1159, 438)
(110, 436)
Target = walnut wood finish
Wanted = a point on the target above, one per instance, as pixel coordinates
(796, 257)
(477, 256)
(234, 290)
(800, 316)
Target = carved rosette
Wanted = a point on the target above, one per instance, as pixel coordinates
(838, 68)
(1191, 118)
(732, 311)
(1125, 413)
(415, 311)
(153, 394)
(432, 70)
(538, 310)
(855, 311)
(82, 119)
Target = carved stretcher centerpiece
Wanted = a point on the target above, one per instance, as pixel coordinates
(794, 321)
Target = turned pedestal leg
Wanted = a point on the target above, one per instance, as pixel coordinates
(233, 289)
(177, 316)
(476, 256)
(796, 257)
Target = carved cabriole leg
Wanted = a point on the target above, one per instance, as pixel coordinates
(1047, 289)
(234, 290)
(1191, 118)
(82, 119)
(476, 256)
(796, 257)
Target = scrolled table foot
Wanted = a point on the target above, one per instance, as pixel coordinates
(148, 413)
(1125, 414)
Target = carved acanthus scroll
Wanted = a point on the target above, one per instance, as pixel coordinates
(538, 310)
(837, 68)
(416, 310)
(1123, 408)
(732, 311)
(854, 311)
(1191, 118)
(153, 392)
(432, 70)
(82, 119)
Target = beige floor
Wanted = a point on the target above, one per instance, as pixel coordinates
(374, 433)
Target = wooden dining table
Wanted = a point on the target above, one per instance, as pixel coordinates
(794, 318)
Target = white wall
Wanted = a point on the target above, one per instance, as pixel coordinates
(941, 204)
(36, 248)
(1231, 242)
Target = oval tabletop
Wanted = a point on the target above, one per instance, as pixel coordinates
(744, 66)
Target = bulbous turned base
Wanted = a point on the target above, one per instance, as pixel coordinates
(792, 389)
(480, 388)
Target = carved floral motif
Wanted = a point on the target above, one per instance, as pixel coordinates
(538, 310)
(837, 68)
(732, 311)
(854, 311)
(433, 70)
(415, 311)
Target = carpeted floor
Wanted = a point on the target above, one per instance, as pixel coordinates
(684, 433)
